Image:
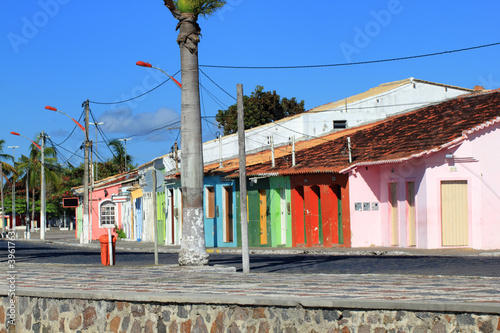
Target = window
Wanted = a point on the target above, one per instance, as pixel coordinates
(210, 202)
(339, 124)
(107, 214)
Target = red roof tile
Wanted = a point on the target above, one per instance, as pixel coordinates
(393, 139)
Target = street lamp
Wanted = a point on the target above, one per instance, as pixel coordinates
(51, 108)
(125, 157)
(1, 196)
(13, 222)
(193, 249)
(84, 235)
(43, 195)
(146, 64)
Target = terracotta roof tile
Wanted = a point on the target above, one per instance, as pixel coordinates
(389, 140)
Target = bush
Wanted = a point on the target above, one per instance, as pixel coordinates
(121, 233)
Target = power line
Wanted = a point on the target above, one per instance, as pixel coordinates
(221, 104)
(61, 147)
(353, 63)
(71, 133)
(131, 99)
(103, 136)
(202, 72)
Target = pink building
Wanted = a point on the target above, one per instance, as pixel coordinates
(426, 178)
(429, 178)
(111, 205)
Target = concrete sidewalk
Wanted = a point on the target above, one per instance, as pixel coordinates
(67, 237)
(223, 285)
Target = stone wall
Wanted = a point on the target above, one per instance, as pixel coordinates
(35, 314)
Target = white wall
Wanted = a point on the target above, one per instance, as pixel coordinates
(312, 124)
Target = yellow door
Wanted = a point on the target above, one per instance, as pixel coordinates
(263, 217)
(454, 213)
(410, 202)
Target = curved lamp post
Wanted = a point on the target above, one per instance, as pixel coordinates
(51, 108)
(148, 65)
(84, 235)
(42, 205)
(13, 222)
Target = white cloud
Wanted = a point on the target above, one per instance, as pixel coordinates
(124, 121)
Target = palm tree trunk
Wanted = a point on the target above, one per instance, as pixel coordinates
(193, 251)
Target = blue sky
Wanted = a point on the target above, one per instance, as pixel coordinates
(63, 52)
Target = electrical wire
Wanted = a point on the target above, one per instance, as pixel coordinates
(353, 63)
(74, 128)
(61, 147)
(202, 72)
(103, 136)
(131, 99)
(205, 114)
(221, 104)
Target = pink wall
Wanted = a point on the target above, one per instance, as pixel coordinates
(476, 160)
(366, 226)
(98, 197)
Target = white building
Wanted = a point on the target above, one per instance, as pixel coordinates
(375, 104)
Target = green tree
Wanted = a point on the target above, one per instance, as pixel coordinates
(120, 157)
(193, 250)
(30, 167)
(261, 107)
(7, 169)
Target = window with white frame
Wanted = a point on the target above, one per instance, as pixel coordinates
(107, 214)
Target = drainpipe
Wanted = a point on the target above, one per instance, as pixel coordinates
(293, 151)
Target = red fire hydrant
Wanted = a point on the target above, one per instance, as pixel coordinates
(105, 249)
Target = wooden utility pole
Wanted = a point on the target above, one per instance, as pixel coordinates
(243, 180)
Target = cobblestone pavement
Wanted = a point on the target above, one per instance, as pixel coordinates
(218, 282)
(209, 284)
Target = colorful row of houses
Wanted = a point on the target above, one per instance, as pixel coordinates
(425, 178)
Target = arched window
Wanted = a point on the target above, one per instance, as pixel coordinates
(107, 214)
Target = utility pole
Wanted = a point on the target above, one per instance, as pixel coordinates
(84, 236)
(96, 124)
(243, 179)
(28, 227)
(220, 150)
(13, 222)
(176, 158)
(43, 194)
(125, 157)
(273, 163)
(155, 218)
